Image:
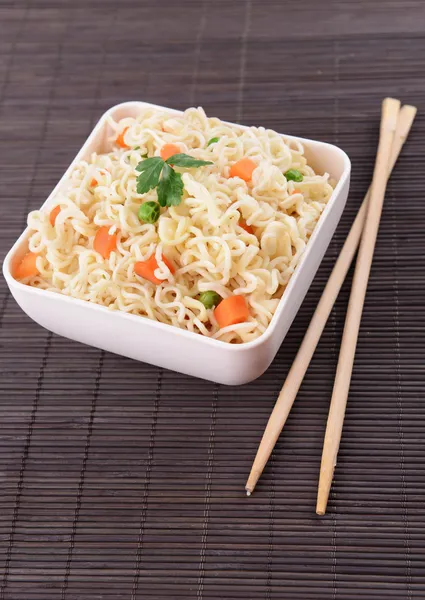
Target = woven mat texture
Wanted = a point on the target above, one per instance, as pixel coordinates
(119, 480)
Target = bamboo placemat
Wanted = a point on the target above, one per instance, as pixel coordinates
(120, 480)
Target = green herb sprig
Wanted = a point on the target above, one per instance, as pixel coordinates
(158, 173)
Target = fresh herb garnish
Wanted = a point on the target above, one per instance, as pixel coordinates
(184, 160)
(294, 175)
(156, 172)
(150, 172)
(136, 147)
(170, 188)
(213, 141)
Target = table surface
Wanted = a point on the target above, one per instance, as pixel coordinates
(120, 480)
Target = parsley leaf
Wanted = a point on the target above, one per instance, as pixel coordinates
(147, 164)
(150, 172)
(213, 141)
(184, 160)
(157, 173)
(170, 188)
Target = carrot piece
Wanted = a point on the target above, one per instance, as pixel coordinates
(244, 169)
(168, 150)
(53, 214)
(296, 192)
(27, 267)
(103, 242)
(231, 310)
(93, 182)
(244, 225)
(146, 269)
(120, 139)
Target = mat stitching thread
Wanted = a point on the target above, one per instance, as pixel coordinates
(144, 508)
(334, 549)
(198, 47)
(271, 526)
(25, 455)
(271, 513)
(207, 489)
(12, 53)
(242, 69)
(82, 476)
(400, 407)
(101, 71)
(333, 314)
(3, 96)
(99, 371)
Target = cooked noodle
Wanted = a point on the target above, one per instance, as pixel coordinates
(202, 236)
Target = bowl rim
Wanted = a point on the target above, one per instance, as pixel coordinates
(145, 321)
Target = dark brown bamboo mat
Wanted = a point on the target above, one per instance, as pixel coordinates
(120, 480)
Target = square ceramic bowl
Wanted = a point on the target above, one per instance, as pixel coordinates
(164, 345)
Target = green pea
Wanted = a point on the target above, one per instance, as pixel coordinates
(294, 175)
(210, 299)
(213, 141)
(149, 212)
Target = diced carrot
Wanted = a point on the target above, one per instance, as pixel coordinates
(231, 310)
(53, 214)
(168, 150)
(104, 243)
(146, 269)
(244, 169)
(27, 267)
(120, 139)
(93, 182)
(244, 225)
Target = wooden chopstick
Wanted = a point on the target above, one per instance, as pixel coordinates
(390, 112)
(305, 353)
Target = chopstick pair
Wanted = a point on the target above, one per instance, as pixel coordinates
(395, 127)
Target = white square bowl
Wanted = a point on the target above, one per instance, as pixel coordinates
(165, 345)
